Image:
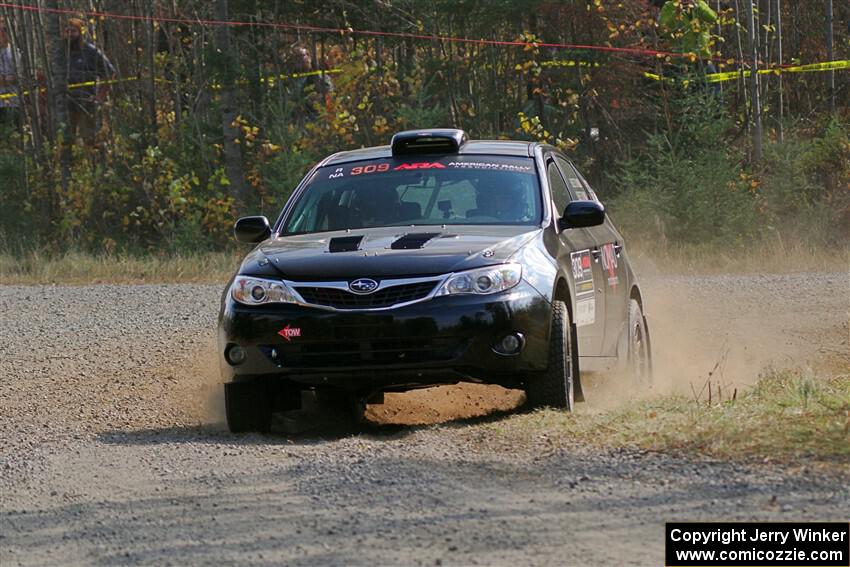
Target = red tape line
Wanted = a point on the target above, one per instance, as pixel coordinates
(319, 29)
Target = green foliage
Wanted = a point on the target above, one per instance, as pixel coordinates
(690, 27)
(686, 185)
(285, 167)
(805, 185)
(15, 204)
(113, 201)
(669, 161)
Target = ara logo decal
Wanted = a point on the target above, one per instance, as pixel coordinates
(289, 333)
(420, 165)
(363, 285)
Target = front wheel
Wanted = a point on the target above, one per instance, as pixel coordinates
(248, 406)
(346, 407)
(554, 387)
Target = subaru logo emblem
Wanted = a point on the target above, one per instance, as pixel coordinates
(363, 285)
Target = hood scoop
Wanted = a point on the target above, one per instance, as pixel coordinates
(413, 241)
(345, 244)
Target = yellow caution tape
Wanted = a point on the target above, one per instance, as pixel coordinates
(308, 74)
(79, 85)
(269, 80)
(711, 77)
(570, 63)
(732, 75)
(828, 66)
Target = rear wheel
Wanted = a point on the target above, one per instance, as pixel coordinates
(248, 406)
(639, 353)
(554, 387)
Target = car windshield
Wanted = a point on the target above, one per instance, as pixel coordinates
(421, 190)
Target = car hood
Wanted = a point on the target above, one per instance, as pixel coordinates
(390, 251)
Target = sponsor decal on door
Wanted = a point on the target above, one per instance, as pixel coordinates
(582, 268)
(609, 264)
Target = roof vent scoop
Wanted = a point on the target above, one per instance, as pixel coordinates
(430, 141)
(345, 244)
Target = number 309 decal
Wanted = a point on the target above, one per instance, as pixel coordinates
(370, 168)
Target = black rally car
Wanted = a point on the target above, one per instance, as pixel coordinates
(430, 261)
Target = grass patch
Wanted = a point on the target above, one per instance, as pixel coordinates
(82, 268)
(650, 258)
(787, 415)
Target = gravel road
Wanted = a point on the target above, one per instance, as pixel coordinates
(114, 452)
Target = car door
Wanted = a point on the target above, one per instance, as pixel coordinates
(614, 274)
(576, 254)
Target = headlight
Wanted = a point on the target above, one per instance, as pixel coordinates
(256, 291)
(483, 280)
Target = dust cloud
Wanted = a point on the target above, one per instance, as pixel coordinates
(197, 396)
(724, 330)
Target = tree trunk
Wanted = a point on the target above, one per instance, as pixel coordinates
(150, 40)
(830, 55)
(780, 132)
(229, 110)
(754, 82)
(58, 90)
(741, 91)
(26, 79)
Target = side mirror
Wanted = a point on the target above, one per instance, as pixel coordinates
(580, 214)
(252, 229)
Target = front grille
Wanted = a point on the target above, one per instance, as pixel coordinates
(387, 297)
(367, 352)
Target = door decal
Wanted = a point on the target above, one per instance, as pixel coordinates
(582, 268)
(609, 264)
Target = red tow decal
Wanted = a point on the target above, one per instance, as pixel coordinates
(289, 333)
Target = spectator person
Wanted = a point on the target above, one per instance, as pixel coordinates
(314, 89)
(9, 63)
(86, 64)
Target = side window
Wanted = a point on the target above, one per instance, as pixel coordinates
(560, 194)
(590, 192)
(578, 189)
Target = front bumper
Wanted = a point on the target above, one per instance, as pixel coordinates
(443, 340)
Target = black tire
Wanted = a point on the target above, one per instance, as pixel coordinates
(554, 387)
(346, 407)
(639, 351)
(578, 392)
(248, 406)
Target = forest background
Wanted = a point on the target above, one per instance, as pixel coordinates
(208, 117)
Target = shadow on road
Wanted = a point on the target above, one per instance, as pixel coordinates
(405, 507)
(305, 426)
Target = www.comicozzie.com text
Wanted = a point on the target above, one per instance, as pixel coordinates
(727, 536)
